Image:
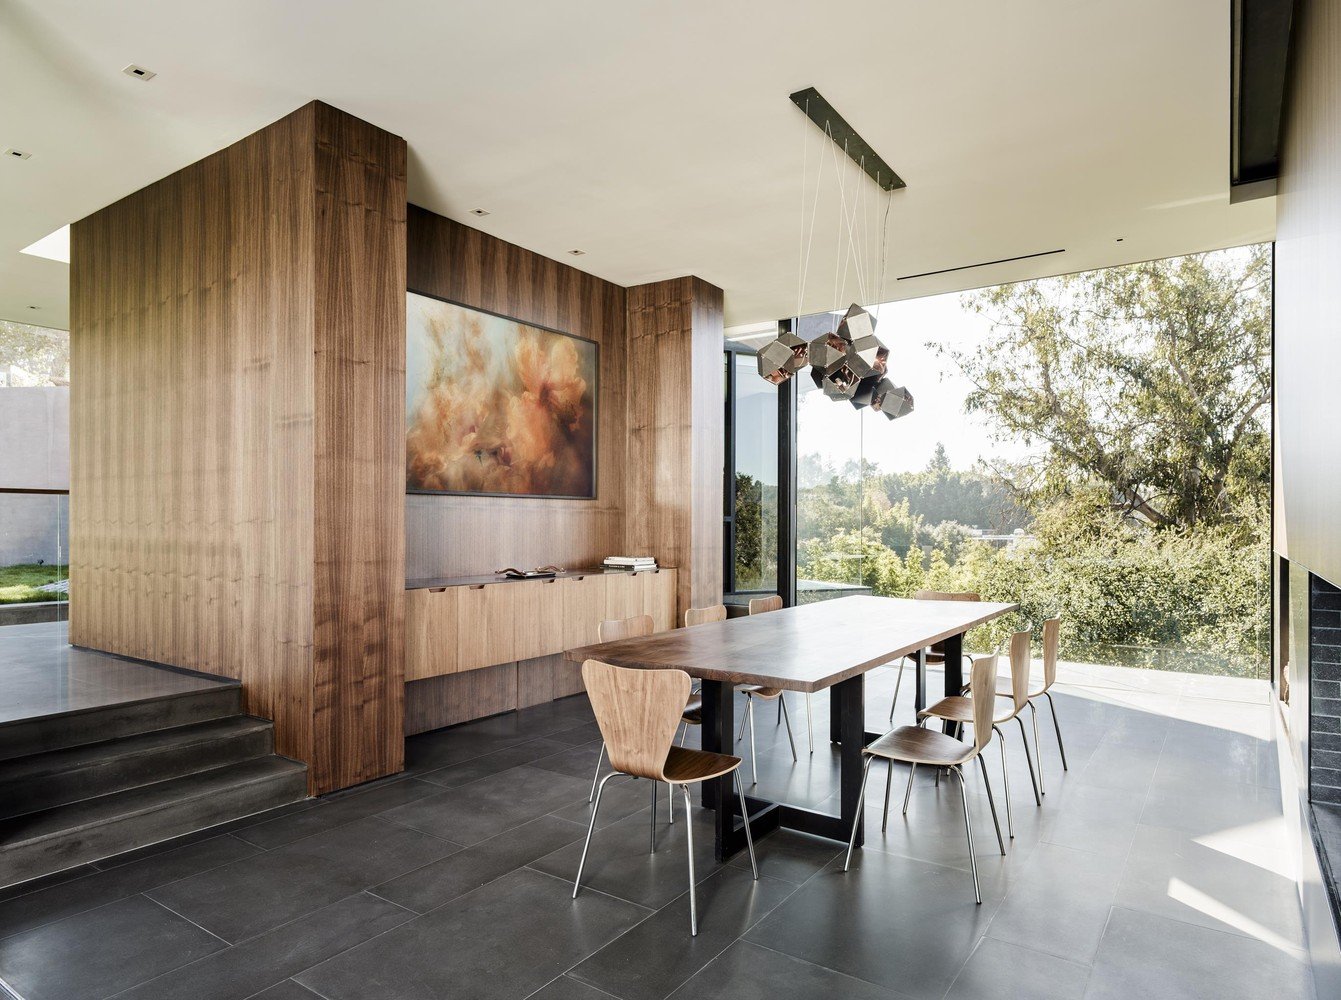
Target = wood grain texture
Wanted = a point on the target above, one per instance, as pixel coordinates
(701, 616)
(460, 536)
(1308, 296)
(673, 486)
(453, 698)
(639, 712)
(237, 334)
(806, 648)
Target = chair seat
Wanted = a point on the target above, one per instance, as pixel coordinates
(959, 708)
(684, 765)
(915, 745)
(693, 710)
(758, 691)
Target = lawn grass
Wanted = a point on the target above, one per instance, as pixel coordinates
(19, 583)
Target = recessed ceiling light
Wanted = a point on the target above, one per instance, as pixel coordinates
(139, 72)
(479, 211)
(17, 154)
(577, 253)
(1118, 240)
(34, 307)
(53, 246)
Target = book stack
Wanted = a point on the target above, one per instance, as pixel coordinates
(633, 564)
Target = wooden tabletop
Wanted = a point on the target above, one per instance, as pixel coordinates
(807, 648)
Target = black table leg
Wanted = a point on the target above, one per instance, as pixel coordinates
(719, 794)
(920, 692)
(849, 698)
(835, 714)
(954, 664)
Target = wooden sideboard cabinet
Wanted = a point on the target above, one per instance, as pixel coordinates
(458, 626)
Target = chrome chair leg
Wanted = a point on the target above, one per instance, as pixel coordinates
(745, 815)
(909, 790)
(740, 733)
(577, 882)
(991, 801)
(897, 681)
(782, 705)
(693, 894)
(889, 780)
(1005, 778)
(861, 804)
(653, 848)
(1038, 748)
(1053, 709)
(968, 827)
(600, 759)
(670, 802)
(810, 725)
(1028, 759)
(754, 766)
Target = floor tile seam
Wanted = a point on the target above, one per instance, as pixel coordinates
(744, 939)
(671, 902)
(142, 891)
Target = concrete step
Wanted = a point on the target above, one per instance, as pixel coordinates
(58, 777)
(49, 840)
(110, 722)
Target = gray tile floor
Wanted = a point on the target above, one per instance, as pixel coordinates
(1157, 867)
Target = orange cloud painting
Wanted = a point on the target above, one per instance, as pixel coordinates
(496, 406)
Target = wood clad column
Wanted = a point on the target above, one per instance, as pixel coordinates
(237, 432)
(673, 490)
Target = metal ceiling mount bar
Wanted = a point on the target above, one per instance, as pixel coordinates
(835, 126)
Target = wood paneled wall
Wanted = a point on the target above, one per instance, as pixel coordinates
(237, 432)
(673, 487)
(462, 536)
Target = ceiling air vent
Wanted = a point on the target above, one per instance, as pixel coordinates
(139, 72)
(16, 154)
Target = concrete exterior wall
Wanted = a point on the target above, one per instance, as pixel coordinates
(34, 455)
(35, 438)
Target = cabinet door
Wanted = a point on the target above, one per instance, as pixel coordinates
(583, 608)
(658, 594)
(537, 624)
(430, 633)
(623, 595)
(485, 625)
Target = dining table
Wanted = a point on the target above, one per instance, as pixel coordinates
(828, 644)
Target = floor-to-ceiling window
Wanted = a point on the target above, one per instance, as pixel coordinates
(751, 478)
(1094, 446)
(34, 457)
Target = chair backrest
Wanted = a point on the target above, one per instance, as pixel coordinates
(1019, 668)
(943, 595)
(982, 693)
(638, 712)
(624, 628)
(1052, 630)
(758, 605)
(701, 616)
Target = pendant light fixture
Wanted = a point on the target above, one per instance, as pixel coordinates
(849, 362)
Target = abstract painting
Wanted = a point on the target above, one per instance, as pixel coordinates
(497, 407)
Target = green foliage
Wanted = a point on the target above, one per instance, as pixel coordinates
(43, 354)
(1148, 510)
(19, 583)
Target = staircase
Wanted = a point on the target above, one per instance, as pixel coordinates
(81, 786)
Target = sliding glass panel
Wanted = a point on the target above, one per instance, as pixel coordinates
(755, 419)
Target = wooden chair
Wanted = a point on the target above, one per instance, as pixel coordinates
(639, 712)
(702, 616)
(936, 654)
(1052, 629)
(915, 745)
(692, 715)
(758, 606)
(1007, 705)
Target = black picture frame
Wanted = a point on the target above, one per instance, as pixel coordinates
(595, 406)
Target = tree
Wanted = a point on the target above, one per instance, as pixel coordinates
(1151, 380)
(43, 354)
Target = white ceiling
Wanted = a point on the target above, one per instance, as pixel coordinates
(657, 136)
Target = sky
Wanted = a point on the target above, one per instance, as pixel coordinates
(913, 329)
